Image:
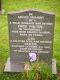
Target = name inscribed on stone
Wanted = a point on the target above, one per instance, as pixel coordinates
(30, 31)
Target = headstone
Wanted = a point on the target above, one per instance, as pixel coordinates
(1, 10)
(0, 5)
(30, 33)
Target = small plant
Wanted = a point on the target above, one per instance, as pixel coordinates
(38, 71)
(35, 70)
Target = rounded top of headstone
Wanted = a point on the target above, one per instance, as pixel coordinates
(30, 10)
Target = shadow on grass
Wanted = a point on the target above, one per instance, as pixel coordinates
(10, 76)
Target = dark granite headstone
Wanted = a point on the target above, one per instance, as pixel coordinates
(1, 10)
(0, 5)
(31, 31)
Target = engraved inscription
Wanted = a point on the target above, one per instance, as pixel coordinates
(31, 31)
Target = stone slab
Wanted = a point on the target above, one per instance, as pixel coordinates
(2, 11)
(54, 67)
(13, 66)
(31, 31)
(19, 67)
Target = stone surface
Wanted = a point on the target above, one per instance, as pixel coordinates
(54, 67)
(13, 66)
(0, 5)
(20, 67)
(31, 31)
(2, 11)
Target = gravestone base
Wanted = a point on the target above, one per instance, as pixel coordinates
(54, 67)
(19, 67)
(2, 11)
(12, 66)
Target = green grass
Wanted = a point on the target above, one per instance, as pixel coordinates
(17, 5)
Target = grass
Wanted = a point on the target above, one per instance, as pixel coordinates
(17, 5)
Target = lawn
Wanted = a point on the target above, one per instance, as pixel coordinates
(17, 5)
